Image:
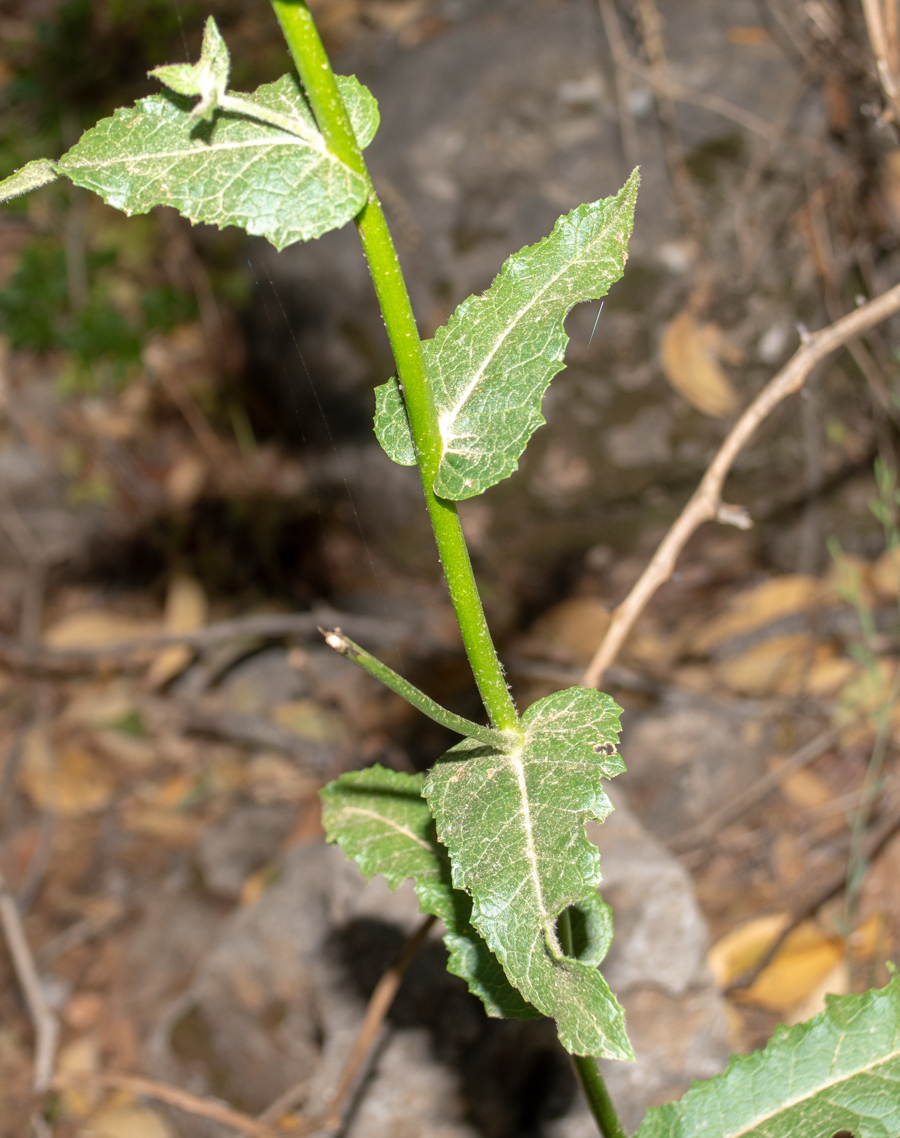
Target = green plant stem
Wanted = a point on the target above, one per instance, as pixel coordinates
(321, 89)
(391, 679)
(586, 1070)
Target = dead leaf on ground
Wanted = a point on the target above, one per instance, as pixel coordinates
(179, 831)
(162, 811)
(690, 353)
(94, 628)
(743, 947)
(849, 579)
(834, 983)
(80, 1057)
(807, 959)
(885, 575)
(756, 608)
(828, 674)
(271, 778)
(119, 1121)
(258, 882)
(83, 1010)
(186, 479)
(309, 720)
(186, 611)
(803, 788)
(749, 35)
(570, 632)
(101, 704)
(775, 667)
(69, 782)
(863, 700)
(888, 188)
(129, 752)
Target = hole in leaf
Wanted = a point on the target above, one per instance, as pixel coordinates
(843, 1134)
(590, 929)
(578, 933)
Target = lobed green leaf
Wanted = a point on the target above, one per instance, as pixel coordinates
(380, 819)
(233, 171)
(491, 363)
(513, 821)
(840, 1071)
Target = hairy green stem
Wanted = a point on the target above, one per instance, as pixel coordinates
(391, 679)
(322, 91)
(586, 1070)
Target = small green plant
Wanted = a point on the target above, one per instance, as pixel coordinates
(494, 837)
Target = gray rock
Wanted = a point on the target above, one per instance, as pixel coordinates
(657, 968)
(281, 994)
(689, 756)
(247, 837)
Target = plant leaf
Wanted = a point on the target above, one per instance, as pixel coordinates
(840, 1071)
(492, 362)
(40, 172)
(380, 819)
(233, 171)
(207, 78)
(513, 822)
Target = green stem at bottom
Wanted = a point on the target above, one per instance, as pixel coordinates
(586, 1070)
(591, 1082)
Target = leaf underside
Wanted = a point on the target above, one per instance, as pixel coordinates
(491, 363)
(380, 819)
(838, 1072)
(513, 822)
(232, 171)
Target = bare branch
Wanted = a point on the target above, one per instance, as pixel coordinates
(332, 1118)
(173, 1096)
(46, 1025)
(706, 502)
(712, 825)
(38, 658)
(881, 24)
(622, 62)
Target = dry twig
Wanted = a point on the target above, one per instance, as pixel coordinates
(715, 822)
(874, 845)
(651, 33)
(706, 502)
(38, 658)
(379, 1005)
(46, 1025)
(173, 1096)
(623, 63)
(882, 26)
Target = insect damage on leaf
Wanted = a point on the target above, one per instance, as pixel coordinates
(277, 181)
(490, 365)
(513, 821)
(380, 819)
(840, 1071)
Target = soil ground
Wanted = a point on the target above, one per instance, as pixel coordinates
(185, 441)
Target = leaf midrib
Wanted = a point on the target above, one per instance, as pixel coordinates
(450, 417)
(763, 1118)
(518, 767)
(289, 140)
